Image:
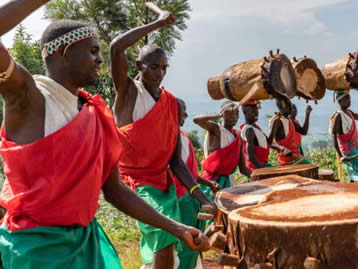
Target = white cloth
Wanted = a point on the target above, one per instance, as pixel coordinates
(185, 149)
(346, 121)
(285, 123)
(226, 138)
(60, 104)
(144, 102)
(176, 262)
(260, 136)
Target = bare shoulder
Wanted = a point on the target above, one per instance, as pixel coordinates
(24, 107)
(124, 107)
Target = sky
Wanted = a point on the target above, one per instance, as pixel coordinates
(226, 32)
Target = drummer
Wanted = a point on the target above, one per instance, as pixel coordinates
(255, 144)
(222, 146)
(343, 130)
(283, 132)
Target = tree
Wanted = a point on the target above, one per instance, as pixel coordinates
(194, 138)
(27, 52)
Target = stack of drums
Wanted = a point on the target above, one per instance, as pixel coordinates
(291, 222)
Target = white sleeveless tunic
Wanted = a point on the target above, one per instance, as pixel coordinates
(346, 121)
(226, 138)
(60, 104)
(260, 136)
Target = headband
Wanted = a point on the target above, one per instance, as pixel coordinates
(68, 39)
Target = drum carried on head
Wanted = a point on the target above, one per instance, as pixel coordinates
(290, 222)
(304, 170)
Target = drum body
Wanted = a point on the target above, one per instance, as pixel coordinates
(304, 170)
(287, 221)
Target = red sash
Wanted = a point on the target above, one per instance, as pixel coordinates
(56, 181)
(148, 144)
(223, 161)
(290, 142)
(261, 154)
(347, 142)
(192, 164)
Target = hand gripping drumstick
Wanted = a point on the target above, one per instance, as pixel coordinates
(154, 7)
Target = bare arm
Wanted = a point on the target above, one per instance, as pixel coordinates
(15, 11)
(250, 137)
(355, 115)
(119, 61)
(273, 132)
(123, 198)
(337, 129)
(242, 165)
(304, 129)
(11, 14)
(205, 122)
(186, 178)
(215, 187)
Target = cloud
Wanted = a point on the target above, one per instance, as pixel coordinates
(290, 12)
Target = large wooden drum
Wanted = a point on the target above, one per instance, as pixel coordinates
(292, 222)
(304, 170)
(257, 79)
(342, 74)
(310, 81)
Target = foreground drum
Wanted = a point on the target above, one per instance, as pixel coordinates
(304, 170)
(291, 222)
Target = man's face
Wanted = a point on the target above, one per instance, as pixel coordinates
(231, 116)
(83, 62)
(182, 113)
(153, 69)
(251, 113)
(345, 102)
(284, 106)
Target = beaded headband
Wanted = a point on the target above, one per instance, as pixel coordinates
(68, 39)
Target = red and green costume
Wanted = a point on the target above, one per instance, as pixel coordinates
(51, 194)
(189, 208)
(219, 165)
(146, 147)
(261, 153)
(348, 146)
(291, 142)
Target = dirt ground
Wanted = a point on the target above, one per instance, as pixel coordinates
(211, 265)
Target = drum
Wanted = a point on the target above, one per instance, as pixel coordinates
(304, 170)
(326, 174)
(291, 222)
(257, 79)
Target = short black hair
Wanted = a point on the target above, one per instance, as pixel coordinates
(150, 50)
(59, 28)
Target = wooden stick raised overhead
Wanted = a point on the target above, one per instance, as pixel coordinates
(154, 7)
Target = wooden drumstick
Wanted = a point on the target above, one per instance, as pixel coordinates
(205, 216)
(154, 7)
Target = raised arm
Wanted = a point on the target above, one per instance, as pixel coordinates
(11, 14)
(119, 61)
(15, 11)
(205, 122)
(304, 129)
(119, 195)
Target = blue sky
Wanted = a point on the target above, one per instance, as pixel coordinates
(222, 33)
